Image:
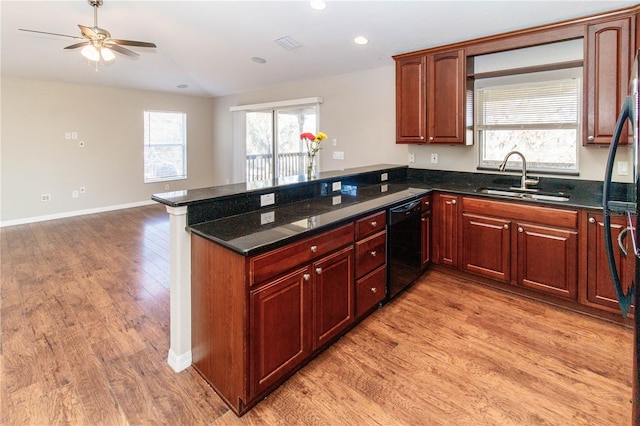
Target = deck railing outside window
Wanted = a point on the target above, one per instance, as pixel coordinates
(259, 166)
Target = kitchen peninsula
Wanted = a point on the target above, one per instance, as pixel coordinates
(245, 255)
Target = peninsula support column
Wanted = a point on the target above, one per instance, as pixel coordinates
(180, 292)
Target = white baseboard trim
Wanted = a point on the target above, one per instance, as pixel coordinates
(179, 362)
(74, 213)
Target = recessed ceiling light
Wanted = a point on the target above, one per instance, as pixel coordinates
(361, 40)
(317, 4)
(258, 60)
(182, 86)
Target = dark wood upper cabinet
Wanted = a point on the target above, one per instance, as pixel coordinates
(606, 74)
(411, 116)
(446, 94)
(430, 98)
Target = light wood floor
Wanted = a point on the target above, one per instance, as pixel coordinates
(85, 323)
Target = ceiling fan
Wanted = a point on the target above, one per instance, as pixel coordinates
(97, 42)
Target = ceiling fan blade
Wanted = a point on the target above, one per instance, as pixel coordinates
(81, 44)
(132, 43)
(48, 33)
(122, 50)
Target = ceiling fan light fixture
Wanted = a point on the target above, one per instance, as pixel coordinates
(107, 54)
(91, 53)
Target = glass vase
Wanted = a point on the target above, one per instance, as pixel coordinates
(312, 167)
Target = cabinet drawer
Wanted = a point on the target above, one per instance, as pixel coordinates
(371, 253)
(281, 260)
(371, 290)
(370, 224)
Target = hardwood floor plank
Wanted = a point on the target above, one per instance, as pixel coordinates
(85, 335)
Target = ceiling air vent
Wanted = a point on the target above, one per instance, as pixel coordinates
(288, 43)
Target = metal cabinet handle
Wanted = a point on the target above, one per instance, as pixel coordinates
(374, 224)
(590, 137)
(374, 290)
(373, 253)
(520, 229)
(314, 249)
(592, 220)
(318, 271)
(505, 226)
(426, 203)
(423, 219)
(421, 137)
(431, 138)
(306, 277)
(453, 201)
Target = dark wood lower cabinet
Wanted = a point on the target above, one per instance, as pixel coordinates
(333, 293)
(487, 246)
(548, 259)
(281, 312)
(600, 292)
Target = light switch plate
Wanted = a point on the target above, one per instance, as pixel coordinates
(338, 155)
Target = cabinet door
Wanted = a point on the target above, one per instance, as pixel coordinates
(411, 116)
(547, 259)
(445, 230)
(486, 246)
(333, 295)
(607, 78)
(600, 290)
(426, 239)
(446, 94)
(280, 333)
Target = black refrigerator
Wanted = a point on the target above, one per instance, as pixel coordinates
(625, 203)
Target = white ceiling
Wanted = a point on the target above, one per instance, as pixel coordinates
(208, 45)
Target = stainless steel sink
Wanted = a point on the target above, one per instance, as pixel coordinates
(526, 194)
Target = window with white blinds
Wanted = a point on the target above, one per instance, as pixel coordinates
(536, 114)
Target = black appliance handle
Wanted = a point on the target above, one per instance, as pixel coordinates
(624, 299)
(405, 207)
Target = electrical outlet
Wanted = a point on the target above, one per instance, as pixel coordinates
(384, 177)
(267, 217)
(74, 194)
(434, 158)
(335, 142)
(166, 187)
(337, 200)
(74, 135)
(623, 168)
(45, 197)
(267, 199)
(384, 188)
(67, 135)
(336, 186)
(412, 157)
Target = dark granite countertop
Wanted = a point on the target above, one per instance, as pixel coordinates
(246, 234)
(192, 196)
(243, 231)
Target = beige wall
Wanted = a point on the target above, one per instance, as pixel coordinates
(358, 110)
(37, 159)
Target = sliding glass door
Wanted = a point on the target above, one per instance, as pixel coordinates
(274, 149)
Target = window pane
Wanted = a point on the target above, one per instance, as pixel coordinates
(165, 144)
(539, 117)
(543, 149)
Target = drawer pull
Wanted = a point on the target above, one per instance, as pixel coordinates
(426, 203)
(374, 224)
(314, 249)
(592, 220)
(306, 277)
(374, 290)
(453, 201)
(506, 226)
(318, 271)
(373, 253)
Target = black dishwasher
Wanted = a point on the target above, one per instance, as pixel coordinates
(404, 246)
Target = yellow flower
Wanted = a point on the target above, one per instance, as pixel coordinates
(320, 136)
